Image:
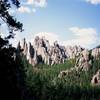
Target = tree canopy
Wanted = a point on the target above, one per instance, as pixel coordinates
(10, 21)
(10, 69)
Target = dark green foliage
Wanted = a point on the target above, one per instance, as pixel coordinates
(12, 23)
(11, 73)
(21, 70)
(43, 82)
(8, 81)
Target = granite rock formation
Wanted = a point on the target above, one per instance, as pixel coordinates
(96, 78)
(42, 52)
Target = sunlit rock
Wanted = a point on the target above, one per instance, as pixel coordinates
(96, 53)
(96, 78)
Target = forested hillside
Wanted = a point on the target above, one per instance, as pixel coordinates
(43, 81)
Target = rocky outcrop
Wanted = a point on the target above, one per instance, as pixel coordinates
(84, 61)
(42, 52)
(96, 53)
(32, 55)
(42, 46)
(73, 52)
(24, 47)
(57, 54)
(96, 78)
(65, 73)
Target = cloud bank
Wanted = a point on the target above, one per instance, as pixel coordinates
(95, 2)
(30, 6)
(85, 37)
(52, 37)
(37, 3)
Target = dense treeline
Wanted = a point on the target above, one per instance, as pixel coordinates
(10, 82)
(43, 82)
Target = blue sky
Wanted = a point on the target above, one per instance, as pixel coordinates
(71, 22)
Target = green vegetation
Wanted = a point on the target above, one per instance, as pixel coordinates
(42, 81)
(10, 81)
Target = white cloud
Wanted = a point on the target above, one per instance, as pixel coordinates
(37, 3)
(85, 37)
(52, 37)
(30, 1)
(40, 3)
(34, 4)
(24, 9)
(95, 2)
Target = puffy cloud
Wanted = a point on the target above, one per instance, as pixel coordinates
(34, 3)
(37, 3)
(52, 37)
(95, 2)
(24, 9)
(85, 37)
(30, 1)
(40, 3)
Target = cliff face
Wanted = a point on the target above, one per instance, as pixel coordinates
(42, 52)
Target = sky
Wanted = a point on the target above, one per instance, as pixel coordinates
(70, 22)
